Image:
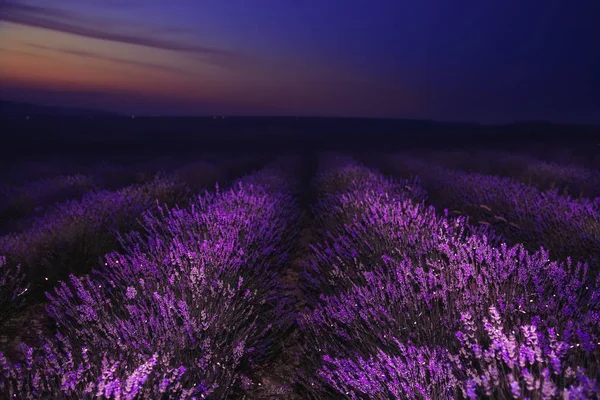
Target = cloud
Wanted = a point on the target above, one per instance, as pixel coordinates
(23, 53)
(68, 22)
(116, 4)
(123, 4)
(89, 54)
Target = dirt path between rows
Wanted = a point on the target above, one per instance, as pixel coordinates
(277, 380)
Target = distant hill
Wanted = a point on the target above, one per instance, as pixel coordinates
(21, 110)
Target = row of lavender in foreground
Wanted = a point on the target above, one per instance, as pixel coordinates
(519, 212)
(405, 304)
(189, 310)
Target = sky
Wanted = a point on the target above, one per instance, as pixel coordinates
(461, 60)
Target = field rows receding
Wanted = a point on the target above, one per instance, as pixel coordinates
(568, 178)
(71, 236)
(317, 280)
(517, 212)
(22, 202)
(19, 199)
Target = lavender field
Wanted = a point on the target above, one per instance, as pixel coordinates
(334, 275)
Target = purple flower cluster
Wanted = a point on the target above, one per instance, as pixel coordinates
(390, 284)
(520, 361)
(189, 308)
(410, 373)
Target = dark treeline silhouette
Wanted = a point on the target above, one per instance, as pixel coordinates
(85, 136)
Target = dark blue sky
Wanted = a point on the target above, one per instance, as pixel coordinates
(487, 61)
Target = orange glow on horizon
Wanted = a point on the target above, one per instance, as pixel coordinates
(60, 62)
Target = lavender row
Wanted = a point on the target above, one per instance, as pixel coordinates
(437, 312)
(342, 175)
(569, 179)
(360, 208)
(520, 213)
(190, 310)
(21, 172)
(40, 193)
(72, 235)
(19, 202)
(33, 196)
(82, 229)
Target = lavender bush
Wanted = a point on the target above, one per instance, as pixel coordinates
(191, 307)
(520, 362)
(411, 373)
(373, 304)
(82, 229)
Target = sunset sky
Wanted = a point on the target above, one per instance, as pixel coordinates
(486, 61)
